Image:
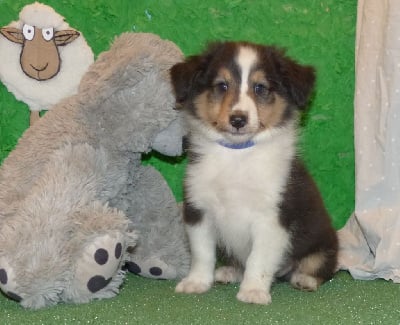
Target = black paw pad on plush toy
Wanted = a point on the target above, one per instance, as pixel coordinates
(100, 262)
(7, 283)
(134, 268)
(152, 268)
(101, 256)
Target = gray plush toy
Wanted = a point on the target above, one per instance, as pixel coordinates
(76, 203)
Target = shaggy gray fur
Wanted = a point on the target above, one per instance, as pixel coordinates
(74, 189)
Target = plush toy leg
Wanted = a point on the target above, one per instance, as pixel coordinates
(104, 238)
(63, 243)
(34, 116)
(162, 251)
(7, 281)
(15, 290)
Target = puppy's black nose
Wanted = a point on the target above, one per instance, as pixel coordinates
(238, 120)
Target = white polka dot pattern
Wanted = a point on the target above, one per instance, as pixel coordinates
(370, 245)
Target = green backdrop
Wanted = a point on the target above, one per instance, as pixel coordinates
(314, 32)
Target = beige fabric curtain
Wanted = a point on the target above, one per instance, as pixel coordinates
(370, 241)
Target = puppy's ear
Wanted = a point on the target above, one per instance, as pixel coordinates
(183, 76)
(191, 76)
(298, 80)
(301, 80)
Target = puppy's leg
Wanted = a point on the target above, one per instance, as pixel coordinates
(203, 249)
(269, 245)
(312, 271)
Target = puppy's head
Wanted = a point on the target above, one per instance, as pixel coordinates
(241, 89)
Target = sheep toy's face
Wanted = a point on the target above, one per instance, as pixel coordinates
(39, 57)
(43, 59)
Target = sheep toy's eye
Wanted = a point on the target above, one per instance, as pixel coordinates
(28, 31)
(47, 33)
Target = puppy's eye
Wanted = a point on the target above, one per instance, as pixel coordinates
(221, 86)
(260, 89)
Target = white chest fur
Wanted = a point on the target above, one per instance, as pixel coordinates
(239, 189)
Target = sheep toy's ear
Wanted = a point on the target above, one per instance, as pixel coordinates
(12, 34)
(42, 58)
(64, 37)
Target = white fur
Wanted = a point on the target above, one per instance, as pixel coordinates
(239, 192)
(246, 59)
(75, 60)
(203, 243)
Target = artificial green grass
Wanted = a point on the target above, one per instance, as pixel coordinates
(144, 301)
(317, 32)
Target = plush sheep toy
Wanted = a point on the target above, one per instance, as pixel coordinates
(42, 58)
(76, 203)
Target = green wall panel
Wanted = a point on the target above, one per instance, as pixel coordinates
(321, 33)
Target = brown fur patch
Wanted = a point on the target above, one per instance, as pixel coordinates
(312, 263)
(206, 109)
(271, 114)
(270, 106)
(258, 76)
(214, 105)
(305, 277)
(224, 75)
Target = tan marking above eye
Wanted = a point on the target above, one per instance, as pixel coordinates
(224, 74)
(258, 76)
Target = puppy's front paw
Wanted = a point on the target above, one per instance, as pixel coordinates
(254, 296)
(193, 285)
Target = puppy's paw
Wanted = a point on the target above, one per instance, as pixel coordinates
(193, 285)
(254, 296)
(304, 282)
(228, 274)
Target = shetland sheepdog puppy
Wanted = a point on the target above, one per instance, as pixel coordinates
(247, 193)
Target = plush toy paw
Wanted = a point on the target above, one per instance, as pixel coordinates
(152, 268)
(7, 281)
(98, 271)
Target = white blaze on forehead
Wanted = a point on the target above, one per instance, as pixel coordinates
(246, 58)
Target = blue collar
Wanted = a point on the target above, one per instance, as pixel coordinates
(242, 145)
